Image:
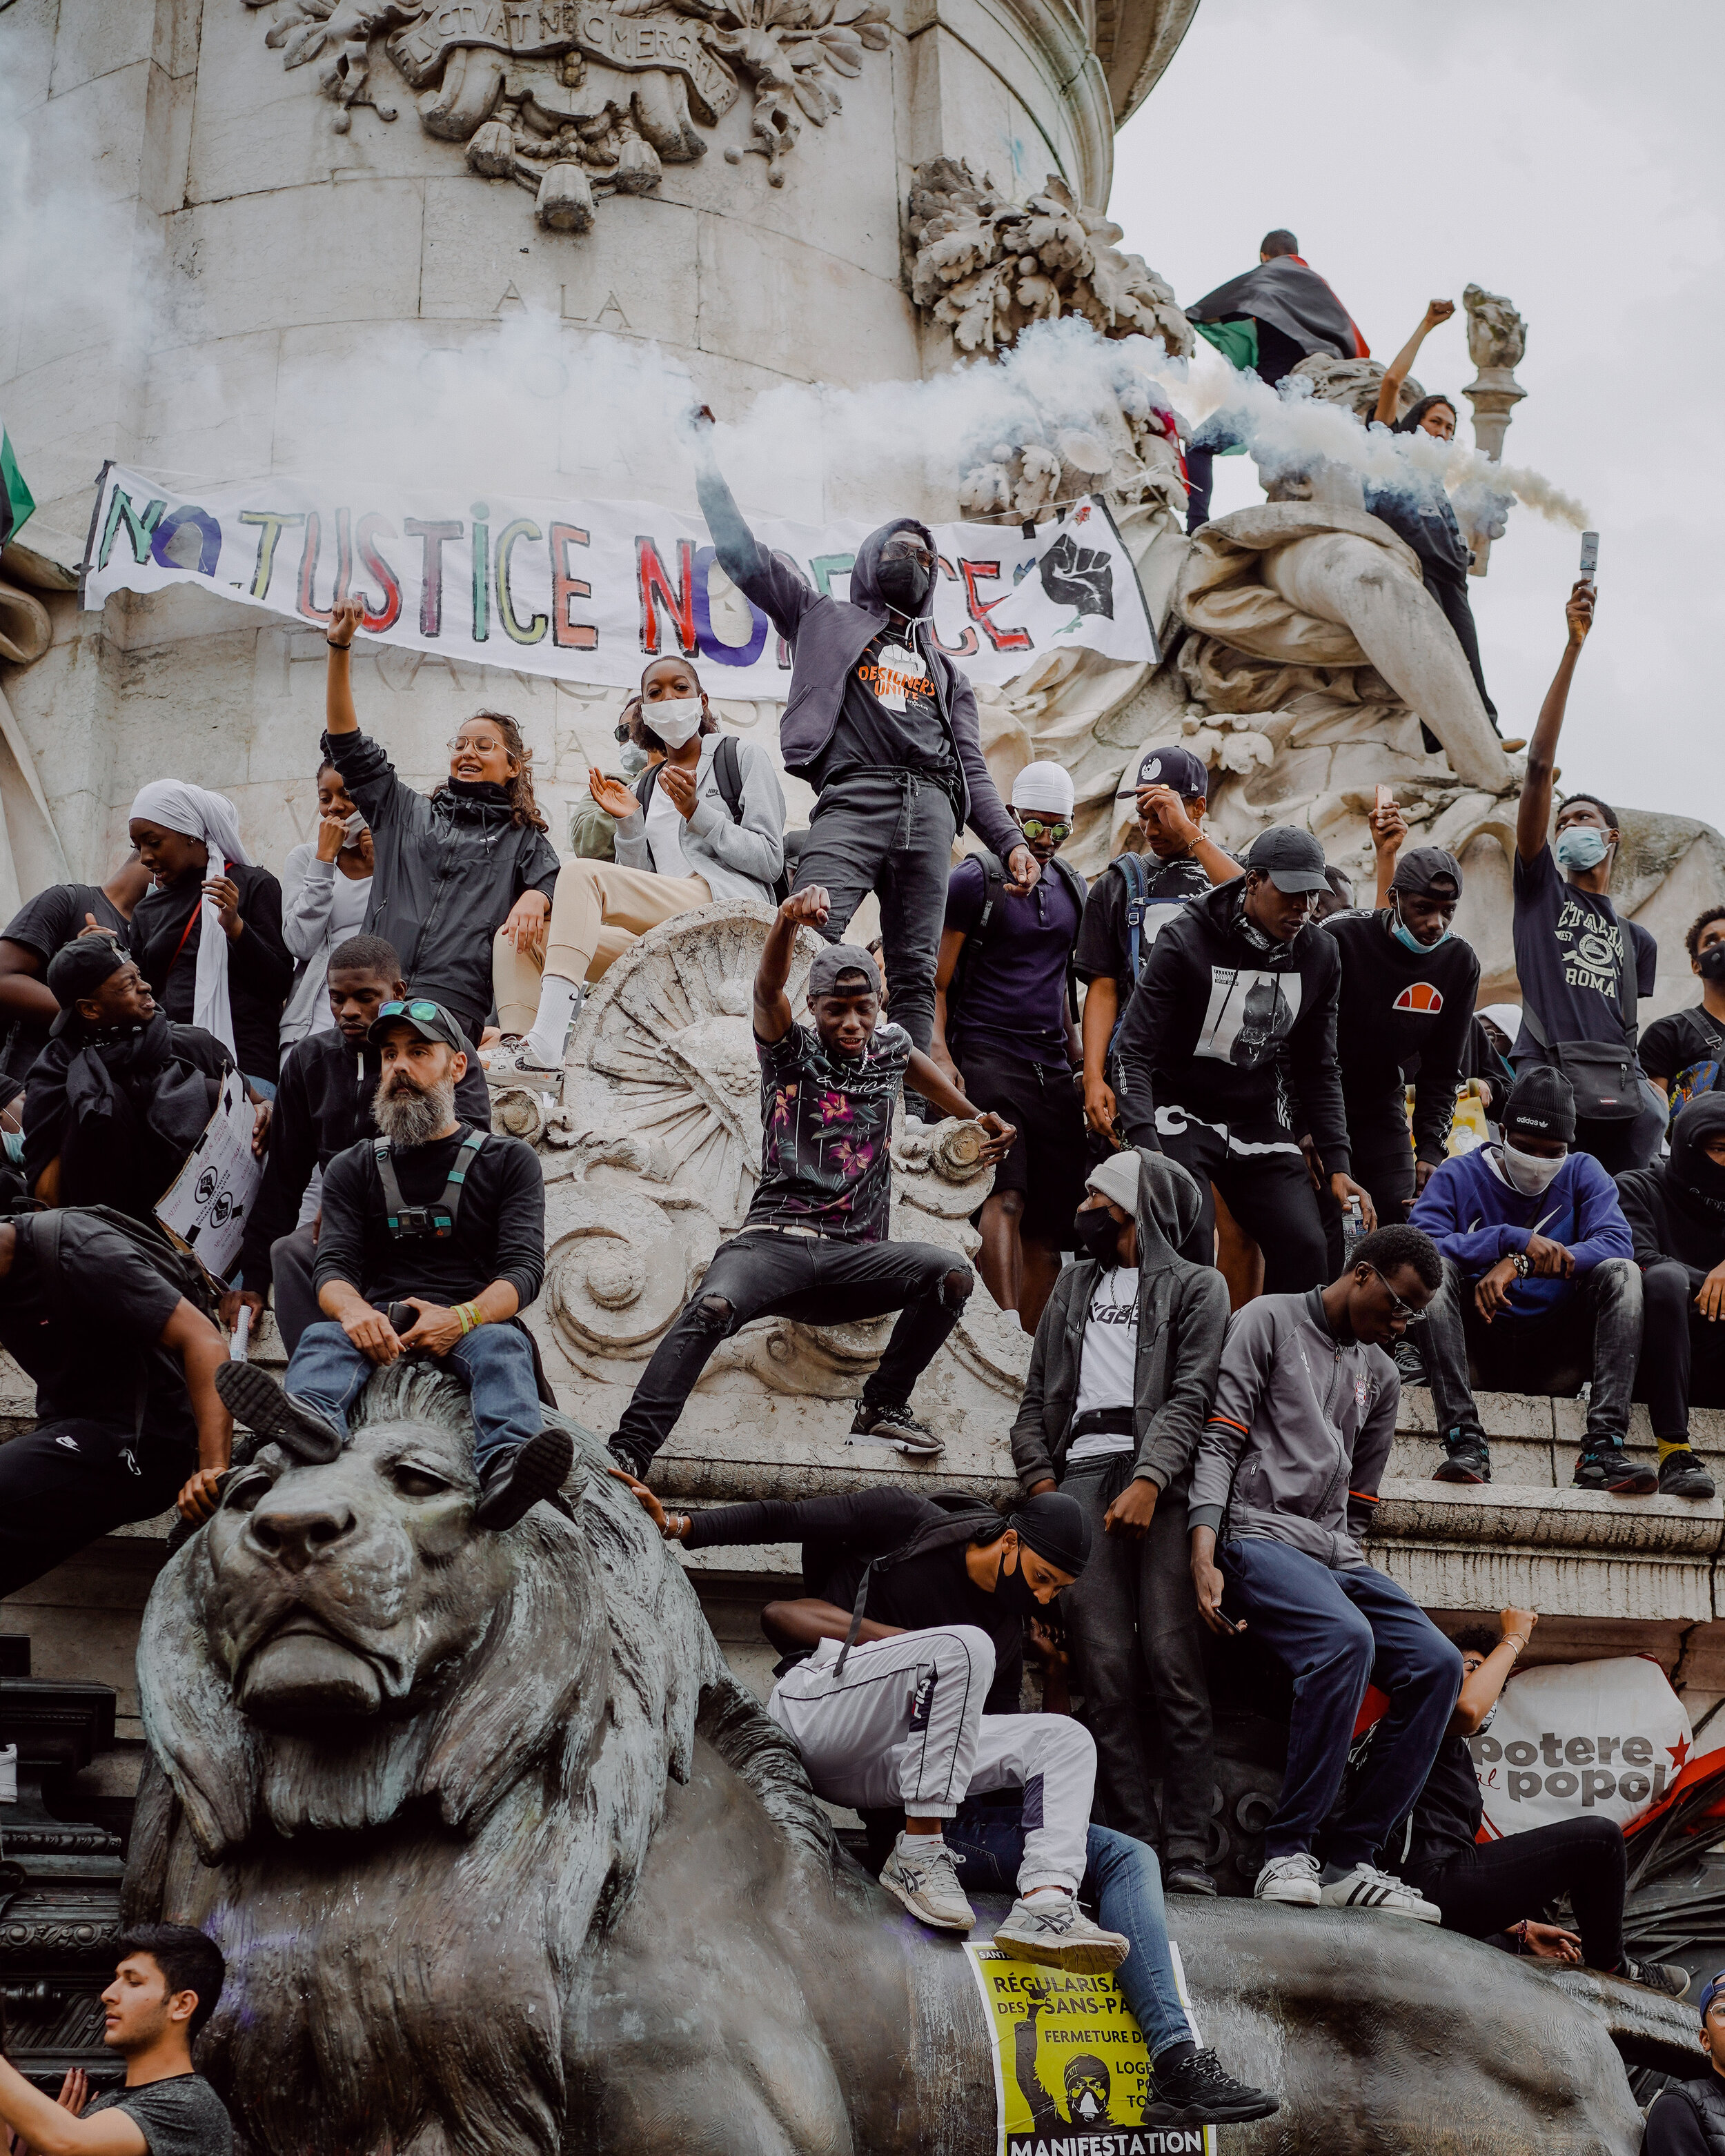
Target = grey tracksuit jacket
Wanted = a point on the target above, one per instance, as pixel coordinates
(1183, 1316)
(1297, 1443)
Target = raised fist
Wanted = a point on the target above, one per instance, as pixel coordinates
(1080, 576)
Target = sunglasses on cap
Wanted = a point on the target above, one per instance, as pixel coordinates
(416, 1010)
(1038, 827)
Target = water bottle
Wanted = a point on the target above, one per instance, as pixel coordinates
(1353, 1228)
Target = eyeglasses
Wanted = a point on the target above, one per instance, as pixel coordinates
(1398, 1308)
(1033, 827)
(415, 1009)
(479, 747)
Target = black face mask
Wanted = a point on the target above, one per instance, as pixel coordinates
(1014, 1589)
(1098, 1234)
(903, 583)
(1712, 962)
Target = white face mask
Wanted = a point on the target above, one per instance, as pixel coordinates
(1529, 1172)
(675, 721)
(353, 827)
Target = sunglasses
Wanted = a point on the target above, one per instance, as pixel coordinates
(415, 1010)
(1033, 827)
(1398, 1308)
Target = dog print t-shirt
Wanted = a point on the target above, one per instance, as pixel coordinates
(826, 1134)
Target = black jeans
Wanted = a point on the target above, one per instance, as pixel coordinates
(1268, 1192)
(1627, 1141)
(1495, 1884)
(1682, 1353)
(1448, 586)
(770, 1272)
(67, 1481)
(1595, 1332)
(889, 832)
(1133, 1610)
(1383, 1165)
(292, 1258)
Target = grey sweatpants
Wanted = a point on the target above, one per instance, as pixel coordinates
(904, 1725)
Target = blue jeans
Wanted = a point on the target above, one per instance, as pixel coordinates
(494, 1362)
(264, 1088)
(1334, 1631)
(986, 1840)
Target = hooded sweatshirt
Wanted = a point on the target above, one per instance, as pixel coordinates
(1183, 1316)
(1676, 1209)
(1475, 1215)
(1212, 1015)
(1297, 1443)
(831, 640)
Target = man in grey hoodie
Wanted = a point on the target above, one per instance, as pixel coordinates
(883, 726)
(1286, 1478)
(1122, 1377)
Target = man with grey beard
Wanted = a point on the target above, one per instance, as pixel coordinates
(440, 1224)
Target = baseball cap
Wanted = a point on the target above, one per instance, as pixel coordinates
(1709, 1991)
(429, 1020)
(1420, 867)
(1541, 1105)
(837, 958)
(1291, 858)
(81, 968)
(1168, 765)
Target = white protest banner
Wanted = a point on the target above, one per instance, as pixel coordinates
(205, 1205)
(1608, 1737)
(589, 591)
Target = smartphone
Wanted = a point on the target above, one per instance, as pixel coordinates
(1590, 556)
(1386, 797)
(1232, 1623)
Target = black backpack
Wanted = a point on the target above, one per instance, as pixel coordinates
(962, 1516)
(993, 883)
(727, 773)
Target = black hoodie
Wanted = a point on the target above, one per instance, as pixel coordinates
(1675, 1209)
(1213, 1014)
(829, 638)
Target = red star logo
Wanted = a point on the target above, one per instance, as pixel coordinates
(1679, 1751)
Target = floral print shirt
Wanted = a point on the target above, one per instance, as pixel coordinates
(826, 1134)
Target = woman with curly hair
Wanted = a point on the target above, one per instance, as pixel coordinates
(453, 867)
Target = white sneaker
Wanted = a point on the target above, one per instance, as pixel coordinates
(1297, 1879)
(920, 1872)
(1054, 1931)
(1367, 1887)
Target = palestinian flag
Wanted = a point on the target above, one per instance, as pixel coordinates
(1287, 293)
(16, 499)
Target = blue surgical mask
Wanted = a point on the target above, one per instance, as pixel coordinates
(1405, 937)
(13, 1141)
(1580, 847)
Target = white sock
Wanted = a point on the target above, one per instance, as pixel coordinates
(558, 1001)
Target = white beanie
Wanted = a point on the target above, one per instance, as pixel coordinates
(1044, 787)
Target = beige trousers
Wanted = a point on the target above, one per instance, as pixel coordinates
(597, 912)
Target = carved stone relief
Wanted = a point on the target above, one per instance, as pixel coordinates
(574, 99)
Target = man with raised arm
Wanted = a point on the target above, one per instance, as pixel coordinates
(883, 726)
(815, 1246)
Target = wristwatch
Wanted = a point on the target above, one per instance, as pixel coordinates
(1524, 1264)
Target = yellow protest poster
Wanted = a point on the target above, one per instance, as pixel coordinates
(1072, 2075)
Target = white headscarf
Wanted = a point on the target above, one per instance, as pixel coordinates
(177, 806)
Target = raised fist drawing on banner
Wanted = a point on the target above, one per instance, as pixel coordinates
(1081, 577)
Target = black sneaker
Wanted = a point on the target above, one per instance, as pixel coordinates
(253, 1397)
(628, 1461)
(1467, 1458)
(1603, 1465)
(1409, 1367)
(512, 1483)
(1189, 1879)
(1666, 1976)
(1682, 1474)
(897, 1425)
(1199, 2091)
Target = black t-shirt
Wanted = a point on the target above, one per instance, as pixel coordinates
(80, 1338)
(259, 972)
(889, 718)
(1447, 1815)
(1104, 945)
(181, 2116)
(43, 926)
(1569, 957)
(500, 1225)
(1687, 1050)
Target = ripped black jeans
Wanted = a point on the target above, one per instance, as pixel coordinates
(773, 1272)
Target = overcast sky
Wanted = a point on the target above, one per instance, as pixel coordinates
(1568, 154)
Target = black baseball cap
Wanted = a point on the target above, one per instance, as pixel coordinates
(1291, 858)
(1420, 867)
(429, 1020)
(1167, 765)
(826, 966)
(80, 969)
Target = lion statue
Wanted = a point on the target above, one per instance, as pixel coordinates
(505, 1863)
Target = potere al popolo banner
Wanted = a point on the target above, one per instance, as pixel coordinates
(591, 590)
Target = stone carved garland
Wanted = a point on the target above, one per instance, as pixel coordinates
(574, 99)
